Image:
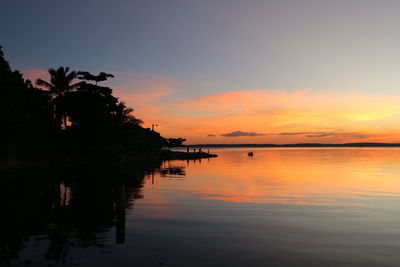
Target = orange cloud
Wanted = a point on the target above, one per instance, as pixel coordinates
(321, 117)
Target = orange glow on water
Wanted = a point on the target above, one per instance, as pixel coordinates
(297, 176)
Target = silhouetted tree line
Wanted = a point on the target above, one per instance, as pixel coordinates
(63, 117)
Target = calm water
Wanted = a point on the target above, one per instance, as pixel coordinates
(281, 207)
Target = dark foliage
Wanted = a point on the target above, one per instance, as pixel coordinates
(84, 75)
(68, 119)
(174, 142)
(26, 114)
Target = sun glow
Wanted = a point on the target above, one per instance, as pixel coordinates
(278, 116)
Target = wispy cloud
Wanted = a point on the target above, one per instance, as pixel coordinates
(309, 134)
(240, 133)
(303, 134)
(210, 135)
(298, 133)
(286, 117)
(318, 135)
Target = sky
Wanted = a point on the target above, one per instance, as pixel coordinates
(227, 71)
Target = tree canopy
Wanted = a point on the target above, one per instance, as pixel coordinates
(69, 117)
(84, 75)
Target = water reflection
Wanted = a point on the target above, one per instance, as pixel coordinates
(346, 176)
(173, 170)
(65, 208)
(281, 207)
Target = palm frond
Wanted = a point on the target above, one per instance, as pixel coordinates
(70, 76)
(76, 85)
(43, 83)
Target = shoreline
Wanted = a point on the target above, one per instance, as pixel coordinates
(139, 159)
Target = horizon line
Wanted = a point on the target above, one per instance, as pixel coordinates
(355, 144)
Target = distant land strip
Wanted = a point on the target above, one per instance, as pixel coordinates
(300, 145)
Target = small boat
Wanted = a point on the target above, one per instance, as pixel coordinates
(250, 154)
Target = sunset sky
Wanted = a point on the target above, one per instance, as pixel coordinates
(227, 71)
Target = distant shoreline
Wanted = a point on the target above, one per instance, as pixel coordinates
(298, 145)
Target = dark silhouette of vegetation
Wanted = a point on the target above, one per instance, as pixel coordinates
(60, 86)
(67, 118)
(84, 75)
(26, 115)
(174, 142)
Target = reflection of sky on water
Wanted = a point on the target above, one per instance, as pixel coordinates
(350, 176)
(281, 207)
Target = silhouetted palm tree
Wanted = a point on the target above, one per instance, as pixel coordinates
(60, 85)
(123, 115)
